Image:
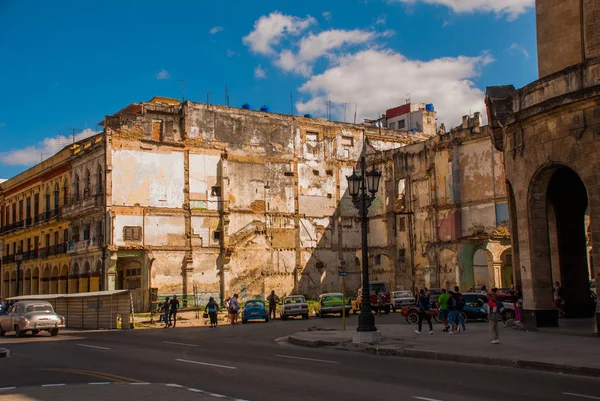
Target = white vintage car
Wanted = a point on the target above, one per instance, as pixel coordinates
(34, 316)
(292, 306)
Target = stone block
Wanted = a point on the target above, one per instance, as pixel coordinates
(366, 337)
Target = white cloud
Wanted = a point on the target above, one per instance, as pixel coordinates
(510, 8)
(259, 72)
(377, 80)
(269, 30)
(162, 75)
(381, 20)
(215, 29)
(31, 155)
(313, 46)
(327, 15)
(232, 53)
(515, 47)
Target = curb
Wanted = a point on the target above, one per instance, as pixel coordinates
(439, 356)
(4, 353)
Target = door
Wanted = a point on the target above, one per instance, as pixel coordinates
(13, 315)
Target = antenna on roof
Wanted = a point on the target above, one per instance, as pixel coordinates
(329, 110)
(73, 136)
(408, 98)
(208, 97)
(226, 95)
(182, 89)
(355, 107)
(345, 104)
(292, 103)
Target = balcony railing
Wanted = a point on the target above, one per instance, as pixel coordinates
(84, 204)
(82, 245)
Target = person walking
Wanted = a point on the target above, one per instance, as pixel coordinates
(213, 309)
(494, 311)
(460, 305)
(518, 305)
(166, 306)
(173, 308)
(452, 319)
(234, 307)
(443, 308)
(424, 312)
(273, 299)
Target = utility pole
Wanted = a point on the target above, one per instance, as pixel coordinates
(345, 104)
(182, 90)
(208, 97)
(226, 95)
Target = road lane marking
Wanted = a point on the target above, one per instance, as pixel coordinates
(140, 384)
(589, 397)
(174, 385)
(7, 388)
(54, 385)
(99, 375)
(206, 364)
(426, 399)
(217, 395)
(306, 359)
(92, 346)
(184, 344)
(98, 383)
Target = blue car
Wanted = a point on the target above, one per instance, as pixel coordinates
(255, 309)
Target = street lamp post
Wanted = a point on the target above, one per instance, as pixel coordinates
(363, 189)
(18, 259)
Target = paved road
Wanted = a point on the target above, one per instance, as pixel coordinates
(244, 362)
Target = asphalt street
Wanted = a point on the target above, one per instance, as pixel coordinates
(244, 362)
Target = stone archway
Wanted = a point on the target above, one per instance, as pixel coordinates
(558, 201)
(74, 279)
(483, 268)
(63, 287)
(54, 280)
(27, 282)
(506, 269)
(45, 280)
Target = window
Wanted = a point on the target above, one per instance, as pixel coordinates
(378, 259)
(88, 184)
(56, 195)
(66, 192)
(401, 124)
(312, 137)
(315, 172)
(28, 245)
(216, 235)
(28, 208)
(21, 210)
(133, 233)
(56, 240)
(157, 130)
(329, 172)
(99, 180)
(348, 141)
(402, 225)
(502, 214)
(14, 213)
(66, 235)
(47, 240)
(402, 255)
(215, 191)
(86, 232)
(76, 187)
(36, 204)
(47, 199)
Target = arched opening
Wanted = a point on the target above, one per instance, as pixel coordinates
(45, 281)
(88, 184)
(74, 279)
(47, 199)
(506, 269)
(95, 277)
(448, 266)
(66, 192)
(64, 280)
(76, 187)
(84, 278)
(56, 195)
(54, 280)
(483, 268)
(99, 179)
(558, 203)
(27, 282)
(35, 280)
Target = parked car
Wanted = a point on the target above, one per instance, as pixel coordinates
(292, 306)
(411, 314)
(475, 306)
(255, 309)
(332, 303)
(376, 288)
(400, 299)
(33, 316)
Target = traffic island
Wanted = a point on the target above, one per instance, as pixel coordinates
(519, 349)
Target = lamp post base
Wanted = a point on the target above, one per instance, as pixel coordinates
(366, 337)
(366, 322)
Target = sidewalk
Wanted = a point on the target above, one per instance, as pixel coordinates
(532, 350)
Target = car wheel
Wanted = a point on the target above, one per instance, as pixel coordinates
(54, 332)
(464, 316)
(267, 319)
(387, 309)
(437, 319)
(244, 321)
(321, 315)
(412, 317)
(18, 332)
(2, 333)
(305, 316)
(35, 332)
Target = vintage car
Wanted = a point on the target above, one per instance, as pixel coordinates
(332, 303)
(292, 306)
(255, 309)
(411, 313)
(377, 289)
(400, 299)
(34, 316)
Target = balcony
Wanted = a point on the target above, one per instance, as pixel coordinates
(8, 259)
(48, 215)
(74, 247)
(84, 205)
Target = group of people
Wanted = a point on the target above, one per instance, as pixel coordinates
(170, 308)
(450, 306)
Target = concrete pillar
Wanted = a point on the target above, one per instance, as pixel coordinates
(111, 273)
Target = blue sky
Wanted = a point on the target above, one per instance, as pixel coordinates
(64, 65)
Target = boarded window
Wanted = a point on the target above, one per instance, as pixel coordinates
(312, 137)
(133, 233)
(402, 225)
(157, 130)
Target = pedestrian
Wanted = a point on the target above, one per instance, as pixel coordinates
(165, 307)
(500, 305)
(518, 305)
(226, 302)
(424, 312)
(494, 315)
(452, 319)
(460, 305)
(212, 308)
(559, 302)
(443, 308)
(273, 299)
(173, 308)
(484, 290)
(234, 307)
(380, 304)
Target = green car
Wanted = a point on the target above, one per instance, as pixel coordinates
(332, 303)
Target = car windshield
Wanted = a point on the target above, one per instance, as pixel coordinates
(254, 303)
(39, 308)
(376, 288)
(329, 298)
(294, 300)
(403, 294)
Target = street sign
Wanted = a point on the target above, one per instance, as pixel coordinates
(343, 274)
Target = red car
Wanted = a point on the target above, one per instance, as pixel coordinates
(376, 288)
(411, 313)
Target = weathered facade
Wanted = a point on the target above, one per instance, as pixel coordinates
(549, 132)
